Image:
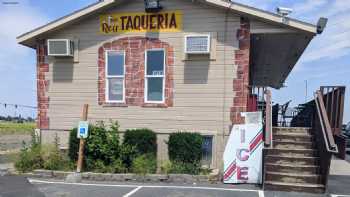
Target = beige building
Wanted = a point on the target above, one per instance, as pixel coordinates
(183, 66)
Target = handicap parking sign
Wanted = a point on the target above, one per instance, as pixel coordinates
(83, 129)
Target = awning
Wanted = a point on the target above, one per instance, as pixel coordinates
(273, 56)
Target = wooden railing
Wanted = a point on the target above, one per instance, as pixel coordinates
(323, 120)
(333, 97)
(324, 137)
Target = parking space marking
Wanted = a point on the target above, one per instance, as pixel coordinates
(132, 191)
(337, 195)
(260, 192)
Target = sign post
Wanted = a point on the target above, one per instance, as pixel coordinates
(82, 134)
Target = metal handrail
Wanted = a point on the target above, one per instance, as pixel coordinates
(325, 125)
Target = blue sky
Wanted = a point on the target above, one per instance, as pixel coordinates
(325, 62)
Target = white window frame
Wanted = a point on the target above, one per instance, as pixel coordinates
(154, 76)
(107, 77)
(198, 52)
(69, 47)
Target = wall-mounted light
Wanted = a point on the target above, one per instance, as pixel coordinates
(152, 6)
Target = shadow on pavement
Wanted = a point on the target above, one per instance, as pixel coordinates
(339, 185)
(17, 186)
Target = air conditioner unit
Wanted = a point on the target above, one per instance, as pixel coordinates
(60, 47)
(197, 44)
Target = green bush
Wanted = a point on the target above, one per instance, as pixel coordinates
(101, 147)
(127, 154)
(29, 159)
(102, 143)
(53, 158)
(185, 168)
(118, 167)
(42, 156)
(185, 147)
(144, 164)
(73, 144)
(144, 140)
(185, 152)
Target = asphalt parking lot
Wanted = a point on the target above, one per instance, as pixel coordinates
(56, 189)
(17, 186)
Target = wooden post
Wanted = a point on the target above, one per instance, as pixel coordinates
(82, 141)
(268, 119)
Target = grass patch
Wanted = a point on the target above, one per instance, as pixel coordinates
(8, 128)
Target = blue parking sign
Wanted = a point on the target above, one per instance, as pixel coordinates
(83, 129)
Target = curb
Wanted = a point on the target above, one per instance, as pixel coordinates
(109, 177)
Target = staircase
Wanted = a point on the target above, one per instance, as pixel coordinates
(293, 163)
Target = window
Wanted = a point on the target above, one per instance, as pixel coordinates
(207, 149)
(115, 82)
(154, 76)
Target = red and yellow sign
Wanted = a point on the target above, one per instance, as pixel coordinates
(170, 21)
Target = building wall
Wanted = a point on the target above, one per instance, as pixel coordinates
(204, 90)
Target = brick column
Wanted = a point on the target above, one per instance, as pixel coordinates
(135, 48)
(42, 86)
(241, 82)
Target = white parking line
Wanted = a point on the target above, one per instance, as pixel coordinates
(261, 193)
(337, 195)
(132, 191)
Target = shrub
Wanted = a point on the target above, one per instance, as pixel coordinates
(165, 167)
(41, 156)
(185, 147)
(185, 168)
(102, 143)
(29, 159)
(127, 154)
(185, 152)
(118, 166)
(53, 158)
(144, 164)
(73, 145)
(144, 140)
(101, 147)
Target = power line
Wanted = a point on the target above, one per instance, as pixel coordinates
(17, 105)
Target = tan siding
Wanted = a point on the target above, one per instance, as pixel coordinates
(199, 85)
(202, 91)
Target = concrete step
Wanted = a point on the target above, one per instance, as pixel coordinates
(286, 130)
(290, 144)
(293, 177)
(277, 159)
(292, 168)
(293, 137)
(292, 152)
(295, 187)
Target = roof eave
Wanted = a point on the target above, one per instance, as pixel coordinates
(265, 15)
(26, 38)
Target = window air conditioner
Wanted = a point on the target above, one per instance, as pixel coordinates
(198, 44)
(60, 47)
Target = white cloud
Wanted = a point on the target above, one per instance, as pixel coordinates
(16, 19)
